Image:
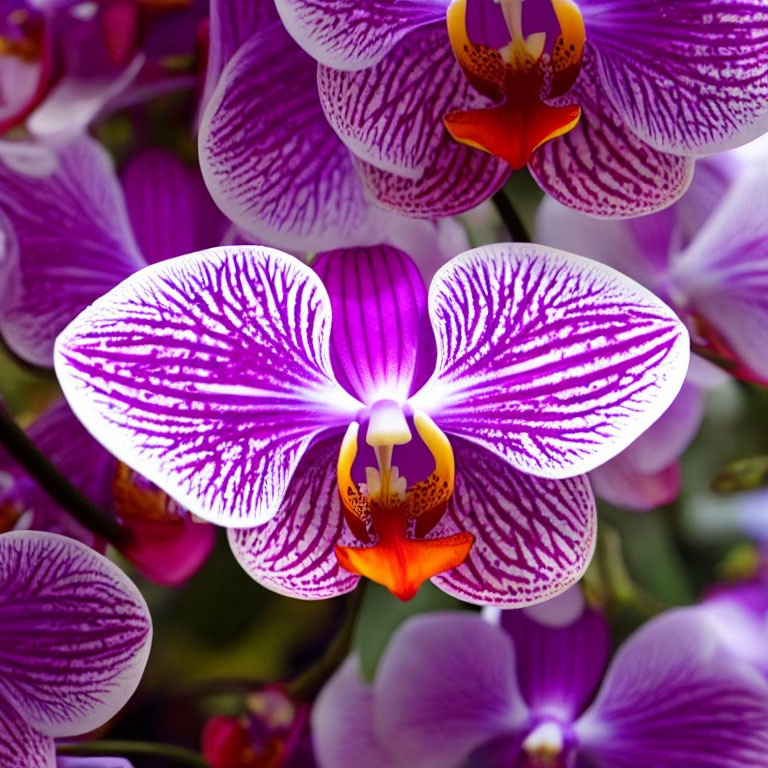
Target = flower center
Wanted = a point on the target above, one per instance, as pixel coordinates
(545, 746)
(393, 515)
(519, 53)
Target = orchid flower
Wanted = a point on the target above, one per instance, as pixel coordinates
(707, 257)
(71, 232)
(62, 62)
(278, 170)
(75, 641)
(245, 384)
(608, 102)
(455, 691)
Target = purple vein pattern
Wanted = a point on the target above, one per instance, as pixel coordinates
(76, 634)
(548, 360)
(533, 536)
(299, 185)
(600, 168)
(217, 377)
(341, 34)
(382, 345)
(293, 553)
(380, 113)
(685, 76)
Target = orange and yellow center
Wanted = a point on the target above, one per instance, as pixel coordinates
(135, 498)
(390, 517)
(522, 55)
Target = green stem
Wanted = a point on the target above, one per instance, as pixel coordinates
(713, 357)
(178, 755)
(511, 218)
(44, 473)
(307, 685)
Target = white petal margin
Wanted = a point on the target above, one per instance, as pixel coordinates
(355, 34)
(552, 361)
(76, 633)
(210, 374)
(293, 554)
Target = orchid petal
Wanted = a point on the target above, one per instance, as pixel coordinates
(553, 362)
(559, 665)
(68, 241)
(666, 439)
(460, 178)
(724, 272)
(354, 34)
(391, 115)
(672, 699)
(76, 633)
(688, 77)
(269, 158)
(533, 538)
(93, 762)
(601, 168)
(342, 723)
(21, 746)
(382, 345)
(169, 207)
(210, 375)
(620, 483)
(293, 554)
(232, 23)
(445, 685)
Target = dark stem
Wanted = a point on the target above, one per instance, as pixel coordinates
(713, 357)
(307, 685)
(510, 217)
(178, 755)
(23, 450)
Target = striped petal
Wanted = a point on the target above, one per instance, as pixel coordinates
(68, 240)
(391, 115)
(22, 746)
(293, 554)
(673, 699)
(553, 362)
(269, 158)
(354, 34)
(76, 633)
(169, 207)
(459, 179)
(602, 168)
(533, 537)
(688, 77)
(210, 375)
(382, 345)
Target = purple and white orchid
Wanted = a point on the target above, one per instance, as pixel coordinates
(707, 257)
(278, 170)
(238, 380)
(74, 643)
(607, 101)
(455, 691)
(70, 231)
